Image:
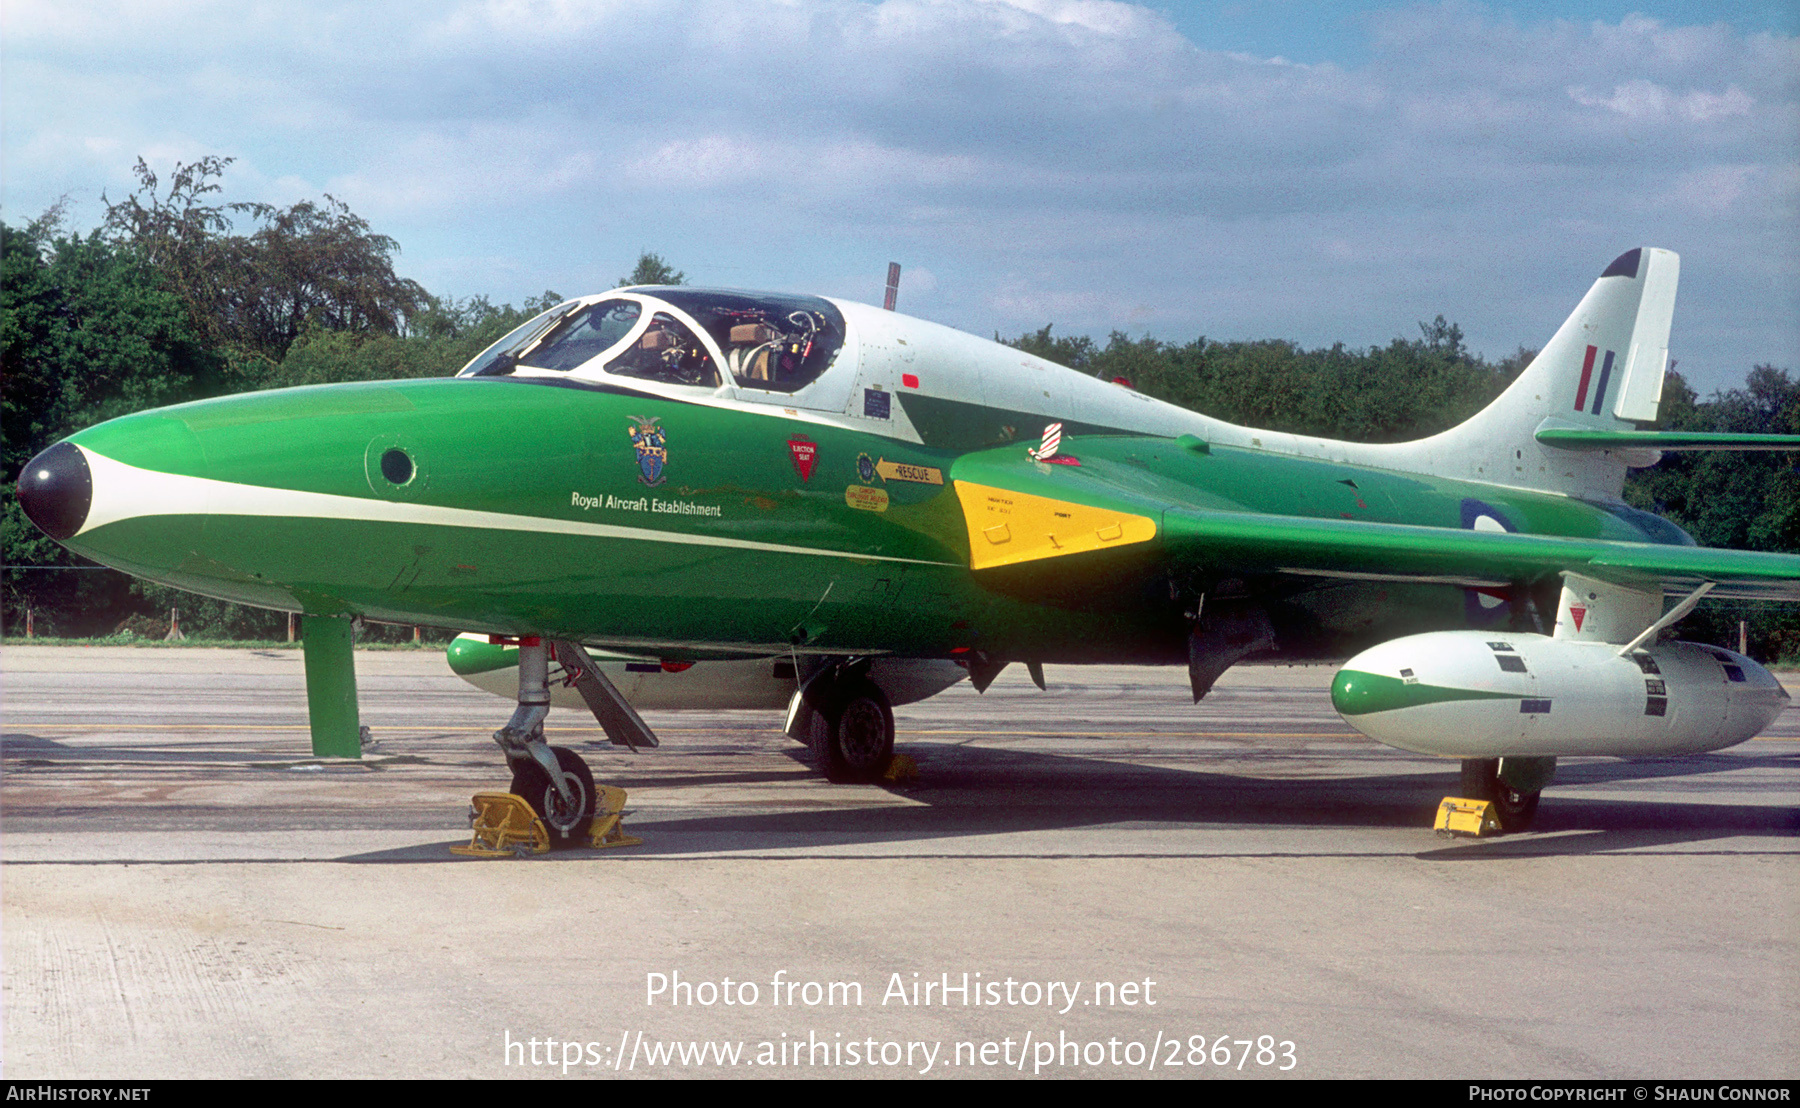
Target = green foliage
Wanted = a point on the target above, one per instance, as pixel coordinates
(1409, 388)
(311, 265)
(1738, 499)
(441, 341)
(89, 333)
(651, 269)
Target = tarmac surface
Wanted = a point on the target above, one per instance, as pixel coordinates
(1132, 885)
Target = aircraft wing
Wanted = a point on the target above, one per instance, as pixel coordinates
(1153, 494)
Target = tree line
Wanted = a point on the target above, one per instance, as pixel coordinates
(178, 296)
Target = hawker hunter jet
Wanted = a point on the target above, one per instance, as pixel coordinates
(868, 506)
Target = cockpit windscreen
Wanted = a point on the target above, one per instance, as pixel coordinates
(502, 355)
(564, 338)
(583, 336)
(771, 341)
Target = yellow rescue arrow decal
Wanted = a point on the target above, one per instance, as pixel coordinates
(900, 471)
(1006, 527)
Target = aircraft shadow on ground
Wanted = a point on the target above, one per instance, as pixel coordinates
(966, 792)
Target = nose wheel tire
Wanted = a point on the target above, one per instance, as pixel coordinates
(568, 823)
(854, 740)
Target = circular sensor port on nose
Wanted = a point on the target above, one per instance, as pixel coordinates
(397, 466)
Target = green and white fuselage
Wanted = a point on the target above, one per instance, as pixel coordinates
(705, 474)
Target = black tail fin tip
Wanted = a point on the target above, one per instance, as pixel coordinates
(1625, 265)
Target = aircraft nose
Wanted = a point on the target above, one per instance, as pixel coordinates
(56, 490)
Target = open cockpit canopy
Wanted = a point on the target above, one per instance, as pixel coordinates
(766, 341)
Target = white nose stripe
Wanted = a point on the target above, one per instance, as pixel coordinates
(124, 492)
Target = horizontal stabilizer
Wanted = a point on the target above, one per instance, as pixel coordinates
(1583, 438)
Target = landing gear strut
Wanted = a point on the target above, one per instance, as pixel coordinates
(553, 780)
(1513, 784)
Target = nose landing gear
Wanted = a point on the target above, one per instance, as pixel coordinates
(554, 781)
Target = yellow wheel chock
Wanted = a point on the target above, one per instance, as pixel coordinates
(609, 808)
(503, 825)
(1473, 818)
(901, 770)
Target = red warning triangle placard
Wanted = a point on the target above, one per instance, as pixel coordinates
(805, 452)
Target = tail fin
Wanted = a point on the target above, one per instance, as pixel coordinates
(1603, 370)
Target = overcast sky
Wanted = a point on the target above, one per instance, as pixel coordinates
(1229, 169)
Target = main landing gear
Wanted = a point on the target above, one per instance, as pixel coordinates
(847, 721)
(1513, 785)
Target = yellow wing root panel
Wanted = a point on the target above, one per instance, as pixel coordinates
(1007, 527)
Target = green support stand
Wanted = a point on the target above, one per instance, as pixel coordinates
(326, 642)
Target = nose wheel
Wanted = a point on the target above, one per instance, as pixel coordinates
(554, 781)
(567, 818)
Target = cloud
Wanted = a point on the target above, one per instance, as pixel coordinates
(1072, 157)
(1641, 99)
(1712, 189)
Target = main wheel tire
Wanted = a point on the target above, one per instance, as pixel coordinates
(568, 823)
(1479, 776)
(854, 739)
(1515, 809)
(1481, 781)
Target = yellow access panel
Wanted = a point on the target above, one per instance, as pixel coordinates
(1007, 527)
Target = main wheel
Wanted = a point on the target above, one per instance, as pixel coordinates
(854, 739)
(568, 823)
(1479, 776)
(1516, 809)
(1481, 781)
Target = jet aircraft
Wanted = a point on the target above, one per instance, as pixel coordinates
(856, 499)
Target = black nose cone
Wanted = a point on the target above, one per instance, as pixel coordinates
(56, 490)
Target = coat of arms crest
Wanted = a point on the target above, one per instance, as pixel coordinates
(652, 444)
